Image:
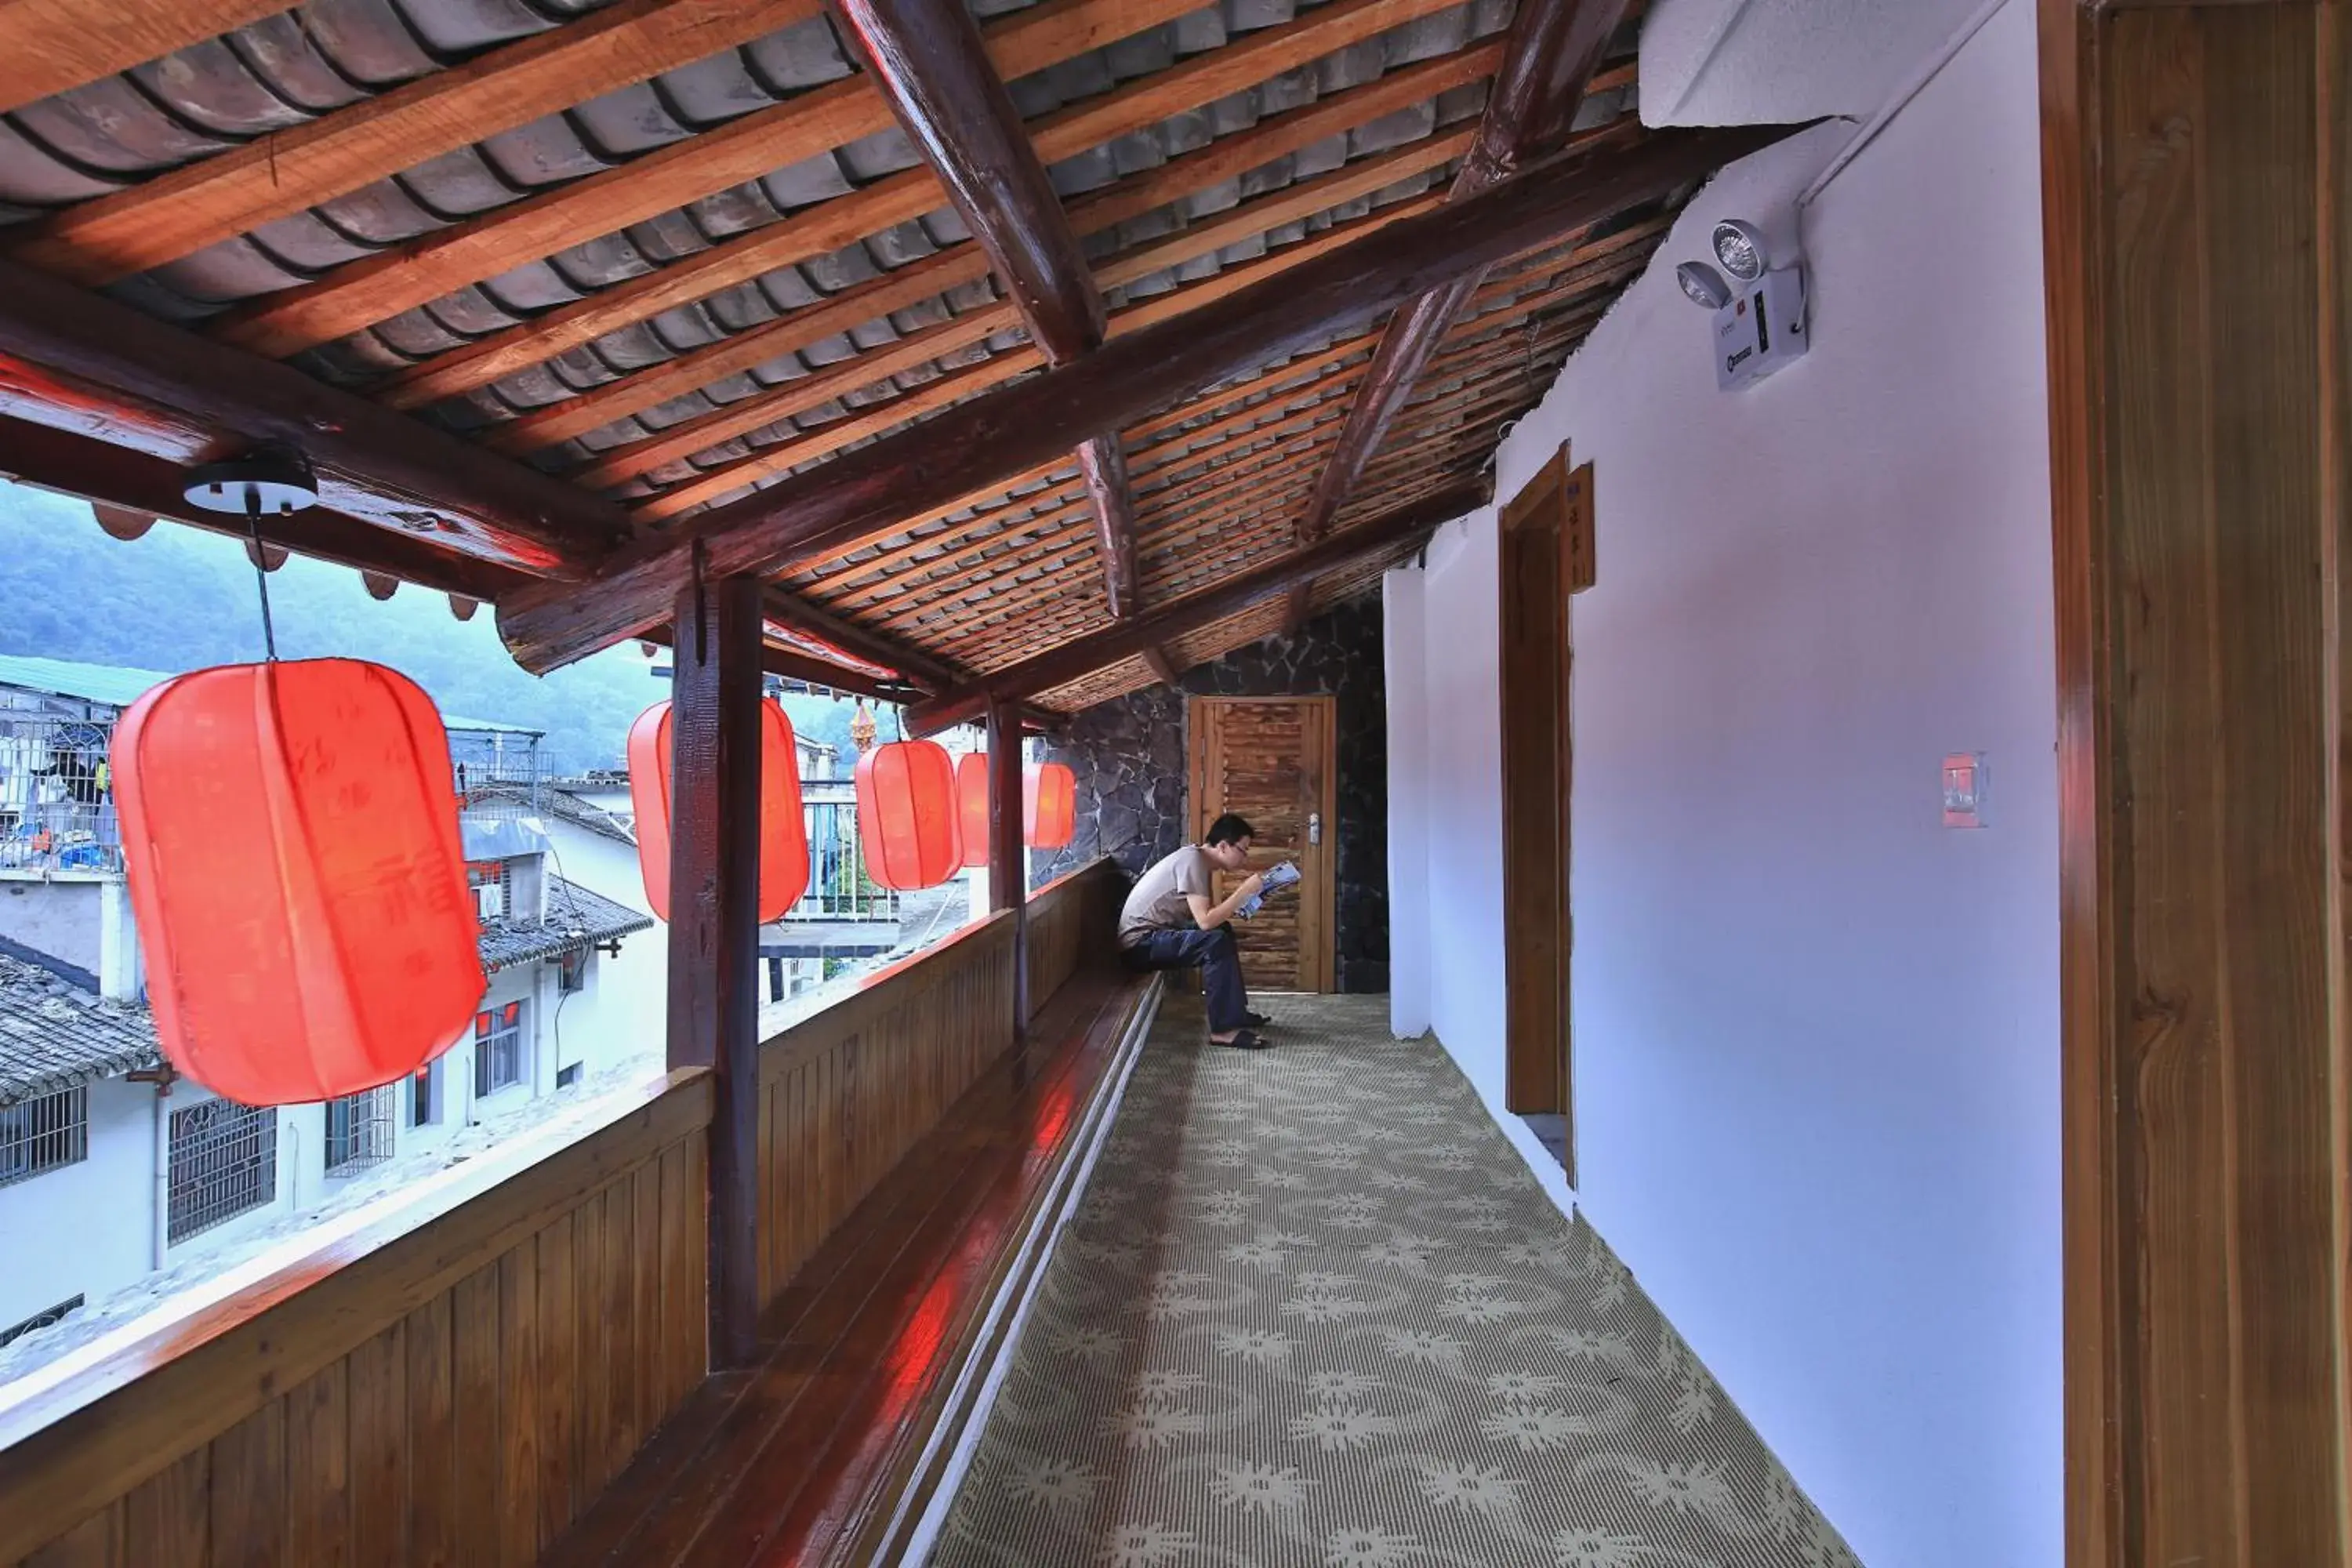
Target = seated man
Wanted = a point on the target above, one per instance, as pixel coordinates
(1169, 923)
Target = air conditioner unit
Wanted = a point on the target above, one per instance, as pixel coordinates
(1762, 329)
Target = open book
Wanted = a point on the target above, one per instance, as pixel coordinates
(1277, 877)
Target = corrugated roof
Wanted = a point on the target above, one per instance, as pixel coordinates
(119, 685)
(54, 1036)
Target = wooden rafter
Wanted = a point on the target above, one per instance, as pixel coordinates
(866, 493)
(1138, 316)
(363, 292)
(82, 363)
(179, 212)
(1554, 49)
(53, 45)
(1129, 639)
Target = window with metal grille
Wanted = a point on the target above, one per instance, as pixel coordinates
(492, 889)
(359, 1131)
(224, 1162)
(40, 1319)
(497, 1049)
(42, 1134)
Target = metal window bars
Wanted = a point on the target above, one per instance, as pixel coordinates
(223, 1163)
(57, 794)
(42, 1133)
(360, 1130)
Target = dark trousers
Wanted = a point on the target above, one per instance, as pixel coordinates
(1215, 953)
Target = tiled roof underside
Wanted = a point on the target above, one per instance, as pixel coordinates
(1286, 147)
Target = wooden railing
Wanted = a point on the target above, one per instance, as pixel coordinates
(450, 1380)
(845, 1094)
(457, 1376)
(1073, 921)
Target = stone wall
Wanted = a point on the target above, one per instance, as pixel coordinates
(1129, 756)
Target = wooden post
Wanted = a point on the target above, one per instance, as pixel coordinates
(714, 935)
(1008, 868)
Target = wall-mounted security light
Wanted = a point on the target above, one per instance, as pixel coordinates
(1760, 310)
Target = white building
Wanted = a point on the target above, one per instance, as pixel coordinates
(110, 1167)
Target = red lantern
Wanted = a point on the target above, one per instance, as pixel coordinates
(1049, 804)
(784, 826)
(971, 802)
(290, 836)
(906, 815)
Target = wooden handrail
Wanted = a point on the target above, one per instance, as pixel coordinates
(80, 1438)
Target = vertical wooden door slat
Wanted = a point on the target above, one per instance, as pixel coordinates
(645, 1257)
(433, 1459)
(167, 1518)
(317, 1469)
(248, 1491)
(591, 1345)
(96, 1542)
(621, 1432)
(558, 1384)
(378, 1438)
(517, 1454)
(474, 1321)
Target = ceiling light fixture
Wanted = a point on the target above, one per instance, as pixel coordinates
(1739, 245)
(1704, 284)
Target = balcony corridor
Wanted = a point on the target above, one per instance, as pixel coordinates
(1314, 1310)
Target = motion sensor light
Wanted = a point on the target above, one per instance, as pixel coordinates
(1740, 247)
(1704, 284)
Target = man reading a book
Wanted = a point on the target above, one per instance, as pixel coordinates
(1172, 920)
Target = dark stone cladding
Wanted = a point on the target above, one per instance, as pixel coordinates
(1129, 756)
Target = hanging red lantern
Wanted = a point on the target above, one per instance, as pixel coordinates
(907, 812)
(971, 802)
(784, 825)
(290, 834)
(1049, 804)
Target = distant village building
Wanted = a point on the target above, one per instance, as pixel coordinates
(110, 1167)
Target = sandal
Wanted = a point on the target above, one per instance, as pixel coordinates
(1246, 1040)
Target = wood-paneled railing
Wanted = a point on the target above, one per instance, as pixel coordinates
(845, 1094)
(452, 1380)
(1073, 922)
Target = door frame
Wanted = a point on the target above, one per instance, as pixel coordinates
(1321, 964)
(1535, 663)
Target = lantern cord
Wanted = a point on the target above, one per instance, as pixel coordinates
(260, 574)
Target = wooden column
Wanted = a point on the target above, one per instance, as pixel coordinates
(714, 933)
(1008, 868)
(2197, 225)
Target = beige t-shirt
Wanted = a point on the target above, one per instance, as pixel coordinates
(1161, 900)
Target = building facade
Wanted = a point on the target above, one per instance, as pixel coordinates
(113, 1169)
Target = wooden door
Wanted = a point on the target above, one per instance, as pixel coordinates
(1272, 760)
(1543, 529)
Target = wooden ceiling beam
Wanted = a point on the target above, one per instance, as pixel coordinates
(281, 172)
(793, 663)
(703, 431)
(1059, 666)
(879, 417)
(919, 668)
(733, 262)
(152, 487)
(363, 292)
(981, 442)
(52, 45)
(1553, 51)
(83, 362)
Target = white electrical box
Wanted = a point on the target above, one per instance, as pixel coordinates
(1762, 330)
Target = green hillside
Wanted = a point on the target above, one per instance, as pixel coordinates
(181, 598)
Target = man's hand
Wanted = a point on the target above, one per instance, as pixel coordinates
(1252, 885)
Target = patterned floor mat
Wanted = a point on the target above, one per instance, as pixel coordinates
(1314, 1311)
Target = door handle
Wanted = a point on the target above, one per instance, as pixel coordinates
(1313, 827)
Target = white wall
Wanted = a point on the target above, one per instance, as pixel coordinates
(629, 1015)
(1816, 1043)
(86, 1228)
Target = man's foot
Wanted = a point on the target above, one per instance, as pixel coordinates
(1256, 1020)
(1242, 1041)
